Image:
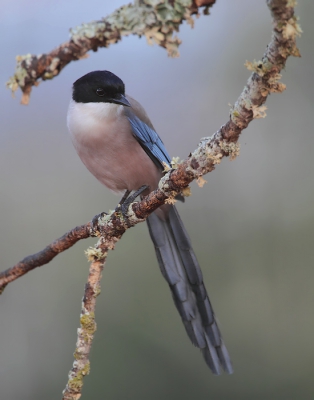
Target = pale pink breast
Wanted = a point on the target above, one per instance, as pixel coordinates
(105, 144)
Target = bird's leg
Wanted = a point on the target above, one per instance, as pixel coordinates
(124, 197)
(127, 200)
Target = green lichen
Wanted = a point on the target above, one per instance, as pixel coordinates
(154, 19)
(94, 254)
(291, 29)
(88, 323)
(175, 162)
(215, 157)
(97, 290)
(75, 383)
(260, 67)
(18, 79)
(232, 149)
(259, 111)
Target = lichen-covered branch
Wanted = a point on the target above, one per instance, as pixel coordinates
(85, 333)
(157, 20)
(209, 153)
(263, 81)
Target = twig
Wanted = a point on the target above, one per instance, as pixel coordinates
(46, 255)
(85, 334)
(155, 19)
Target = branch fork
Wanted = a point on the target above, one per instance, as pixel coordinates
(209, 153)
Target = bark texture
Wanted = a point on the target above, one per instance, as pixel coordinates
(157, 20)
(85, 333)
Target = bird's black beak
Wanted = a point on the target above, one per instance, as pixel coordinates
(120, 99)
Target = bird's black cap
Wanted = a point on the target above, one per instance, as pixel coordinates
(99, 87)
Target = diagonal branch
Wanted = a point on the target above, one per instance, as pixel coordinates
(46, 255)
(263, 81)
(155, 19)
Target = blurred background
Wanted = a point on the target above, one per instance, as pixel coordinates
(252, 224)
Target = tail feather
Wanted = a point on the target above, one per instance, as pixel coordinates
(181, 270)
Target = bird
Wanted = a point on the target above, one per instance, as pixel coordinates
(118, 144)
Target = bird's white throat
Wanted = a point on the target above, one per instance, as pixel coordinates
(89, 118)
(96, 110)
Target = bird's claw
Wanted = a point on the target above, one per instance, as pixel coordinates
(123, 207)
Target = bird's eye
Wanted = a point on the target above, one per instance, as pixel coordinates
(100, 92)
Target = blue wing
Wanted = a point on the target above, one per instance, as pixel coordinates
(150, 141)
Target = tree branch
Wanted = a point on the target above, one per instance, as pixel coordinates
(46, 255)
(85, 334)
(209, 153)
(155, 19)
(263, 81)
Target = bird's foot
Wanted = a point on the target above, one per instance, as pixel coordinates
(124, 197)
(130, 199)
